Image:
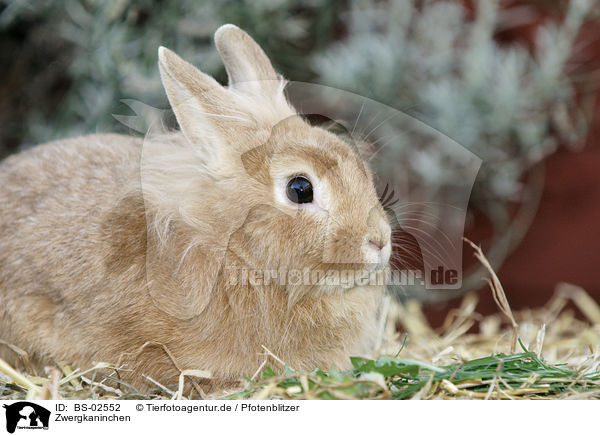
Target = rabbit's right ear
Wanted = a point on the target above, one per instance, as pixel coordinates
(205, 110)
(248, 67)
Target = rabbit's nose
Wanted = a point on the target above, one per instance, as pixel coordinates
(376, 243)
(378, 249)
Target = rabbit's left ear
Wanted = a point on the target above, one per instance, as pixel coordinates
(206, 112)
(247, 65)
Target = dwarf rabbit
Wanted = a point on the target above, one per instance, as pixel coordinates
(151, 253)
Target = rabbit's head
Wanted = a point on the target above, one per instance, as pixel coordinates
(291, 196)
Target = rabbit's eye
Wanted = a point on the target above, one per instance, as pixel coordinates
(299, 190)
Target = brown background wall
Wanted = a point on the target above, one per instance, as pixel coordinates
(563, 242)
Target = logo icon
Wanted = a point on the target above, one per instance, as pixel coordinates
(26, 415)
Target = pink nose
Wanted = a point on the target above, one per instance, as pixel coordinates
(376, 244)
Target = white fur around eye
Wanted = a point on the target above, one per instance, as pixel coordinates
(320, 203)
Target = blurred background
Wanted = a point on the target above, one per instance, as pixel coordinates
(516, 82)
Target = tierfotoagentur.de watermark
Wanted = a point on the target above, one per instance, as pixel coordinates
(336, 277)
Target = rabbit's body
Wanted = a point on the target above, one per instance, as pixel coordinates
(57, 243)
(126, 251)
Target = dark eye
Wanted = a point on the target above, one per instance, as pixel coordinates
(299, 190)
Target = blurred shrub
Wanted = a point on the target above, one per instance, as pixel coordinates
(69, 63)
(506, 104)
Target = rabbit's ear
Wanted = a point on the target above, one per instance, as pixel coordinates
(204, 109)
(247, 65)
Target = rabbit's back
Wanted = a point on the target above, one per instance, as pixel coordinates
(57, 238)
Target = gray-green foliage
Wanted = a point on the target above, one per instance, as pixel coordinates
(107, 51)
(508, 105)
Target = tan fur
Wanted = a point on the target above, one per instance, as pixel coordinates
(110, 242)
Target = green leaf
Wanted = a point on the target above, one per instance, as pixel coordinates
(268, 373)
